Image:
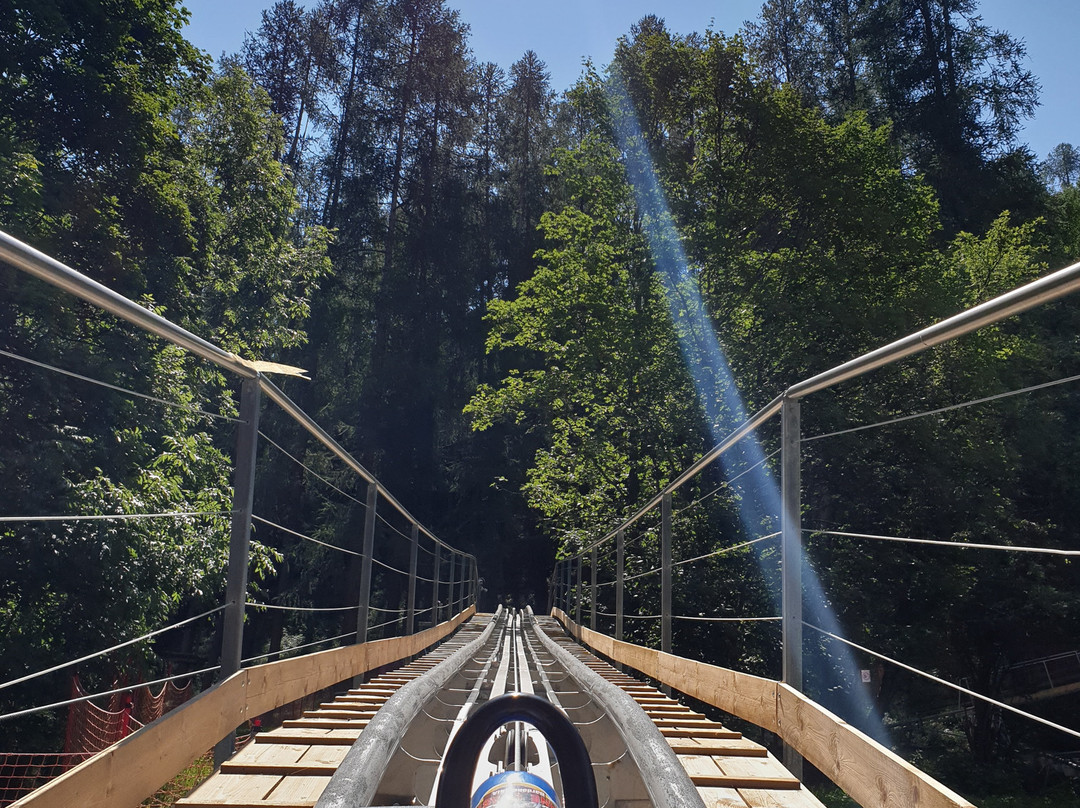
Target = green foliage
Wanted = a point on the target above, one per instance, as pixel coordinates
(122, 155)
(602, 371)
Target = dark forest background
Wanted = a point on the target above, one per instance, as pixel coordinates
(461, 259)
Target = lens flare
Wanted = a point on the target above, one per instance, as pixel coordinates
(723, 410)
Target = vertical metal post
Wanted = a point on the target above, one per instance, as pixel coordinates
(569, 570)
(365, 569)
(453, 584)
(553, 588)
(232, 639)
(435, 585)
(791, 556)
(592, 593)
(410, 615)
(620, 560)
(579, 593)
(665, 574)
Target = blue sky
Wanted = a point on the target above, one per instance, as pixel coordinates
(563, 32)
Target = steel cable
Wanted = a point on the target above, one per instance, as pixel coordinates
(309, 470)
(296, 648)
(105, 517)
(959, 688)
(124, 390)
(939, 543)
(125, 644)
(939, 410)
(291, 532)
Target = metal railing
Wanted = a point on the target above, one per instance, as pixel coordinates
(571, 591)
(454, 574)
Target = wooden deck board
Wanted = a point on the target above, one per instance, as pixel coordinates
(761, 798)
(722, 798)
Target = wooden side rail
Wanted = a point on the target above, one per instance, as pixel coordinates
(128, 772)
(871, 774)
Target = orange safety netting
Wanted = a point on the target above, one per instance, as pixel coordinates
(89, 730)
(22, 772)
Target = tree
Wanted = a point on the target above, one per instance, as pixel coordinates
(954, 89)
(187, 209)
(1062, 165)
(601, 375)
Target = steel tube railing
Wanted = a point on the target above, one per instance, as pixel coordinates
(36, 263)
(759, 418)
(54, 272)
(1044, 290)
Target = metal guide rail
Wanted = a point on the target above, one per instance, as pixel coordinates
(382, 743)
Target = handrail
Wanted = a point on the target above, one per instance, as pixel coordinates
(154, 754)
(1044, 290)
(48, 269)
(324, 437)
(463, 586)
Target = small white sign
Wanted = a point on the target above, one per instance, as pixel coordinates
(865, 676)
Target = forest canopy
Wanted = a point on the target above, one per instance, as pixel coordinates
(467, 263)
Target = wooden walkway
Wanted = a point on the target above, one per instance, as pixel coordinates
(289, 767)
(729, 771)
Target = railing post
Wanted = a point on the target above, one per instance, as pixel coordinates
(453, 584)
(553, 587)
(791, 557)
(579, 592)
(410, 615)
(592, 593)
(665, 574)
(365, 569)
(436, 565)
(620, 560)
(568, 569)
(232, 639)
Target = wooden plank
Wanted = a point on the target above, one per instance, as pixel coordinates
(699, 766)
(751, 698)
(309, 735)
(269, 753)
(721, 798)
(278, 769)
(734, 781)
(740, 747)
(697, 732)
(866, 770)
(348, 715)
(759, 798)
(325, 754)
(227, 789)
(298, 791)
(763, 768)
(323, 723)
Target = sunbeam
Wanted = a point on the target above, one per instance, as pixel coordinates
(723, 408)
